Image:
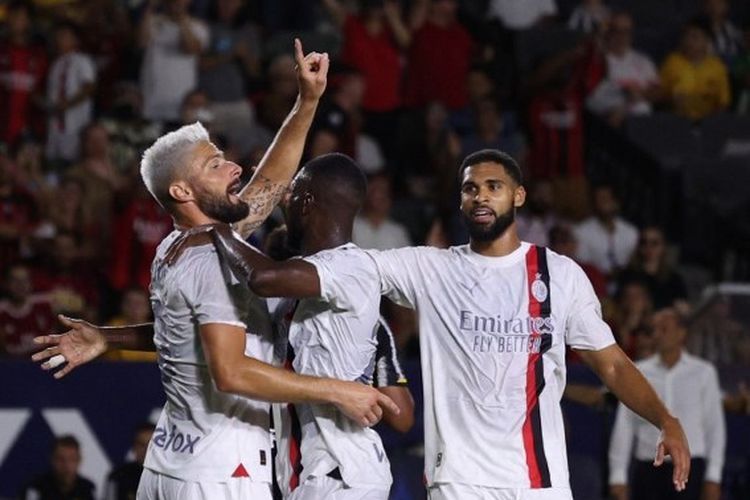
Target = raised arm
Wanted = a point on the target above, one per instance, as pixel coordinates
(84, 342)
(276, 169)
(233, 372)
(627, 383)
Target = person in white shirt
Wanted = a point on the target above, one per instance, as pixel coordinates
(172, 42)
(521, 14)
(495, 317)
(330, 331)
(70, 87)
(374, 227)
(211, 333)
(632, 81)
(689, 387)
(606, 240)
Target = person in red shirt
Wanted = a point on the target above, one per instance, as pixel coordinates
(439, 56)
(138, 230)
(18, 213)
(373, 40)
(23, 66)
(23, 314)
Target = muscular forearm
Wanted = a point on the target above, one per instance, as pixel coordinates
(257, 380)
(270, 181)
(632, 388)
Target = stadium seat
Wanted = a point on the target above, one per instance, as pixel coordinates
(668, 138)
(726, 135)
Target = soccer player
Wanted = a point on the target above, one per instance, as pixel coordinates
(212, 439)
(495, 316)
(332, 331)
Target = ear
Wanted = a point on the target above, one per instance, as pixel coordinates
(181, 192)
(519, 197)
(307, 203)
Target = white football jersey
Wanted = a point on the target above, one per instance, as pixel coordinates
(204, 434)
(332, 336)
(493, 332)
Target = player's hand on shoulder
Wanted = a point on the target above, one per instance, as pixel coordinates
(312, 72)
(195, 236)
(82, 343)
(362, 403)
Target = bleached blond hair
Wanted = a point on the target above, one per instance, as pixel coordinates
(165, 160)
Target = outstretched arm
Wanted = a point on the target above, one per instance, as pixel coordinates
(84, 342)
(627, 383)
(276, 169)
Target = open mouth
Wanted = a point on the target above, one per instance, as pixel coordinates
(235, 188)
(482, 215)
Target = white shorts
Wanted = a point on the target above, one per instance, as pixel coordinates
(325, 488)
(155, 486)
(453, 491)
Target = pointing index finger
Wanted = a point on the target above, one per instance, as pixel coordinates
(299, 56)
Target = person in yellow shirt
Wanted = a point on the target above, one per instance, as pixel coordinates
(695, 82)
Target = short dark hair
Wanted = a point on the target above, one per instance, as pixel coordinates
(493, 156)
(145, 427)
(337, 171)
(65, 441)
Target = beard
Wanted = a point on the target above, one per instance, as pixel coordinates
(221, 208)
(485, 233)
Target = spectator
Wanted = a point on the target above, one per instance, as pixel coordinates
(23, 314)
(651, 264)
(480, 85)
(62, 482)
(605, 239)
(18, 213)
(172, 42)
(69, 282)
(490, 132)
(282, 91)
(135, 309)
(100, 178)
(725, 36)
(129, 133)
(334, 128)
(23, 67)
(537, 218)
(70, 88)
(138, 230)
(439, 56)
(690, 389)
(122, 482)
(562, 240)
(232, 57)
(632, 82)
(374, 228)
(695, 82)
(517, 16)
(589, 17)
(632, 313)
(373, 40)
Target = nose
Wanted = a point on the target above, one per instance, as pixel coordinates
(236, 170)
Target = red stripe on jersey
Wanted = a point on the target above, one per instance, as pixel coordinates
(532, 429)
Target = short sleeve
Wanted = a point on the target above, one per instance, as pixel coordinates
(585, 329)
(348, 278)
(211, 295)
(398, 273)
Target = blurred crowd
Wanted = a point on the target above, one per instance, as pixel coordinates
(86, 86)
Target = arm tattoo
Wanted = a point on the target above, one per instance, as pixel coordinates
(262, 199)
